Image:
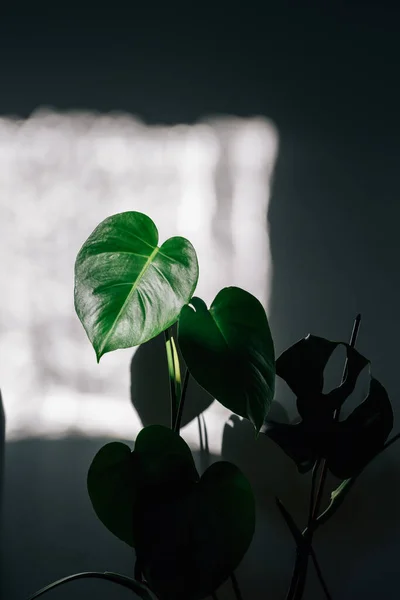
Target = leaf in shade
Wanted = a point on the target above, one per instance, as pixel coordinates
(189, 533)
(164, 460)
(362, 435)
(317, 434)
(190, 544)
(302, 367)
(161, 461)
(127, 289)
(229, 351)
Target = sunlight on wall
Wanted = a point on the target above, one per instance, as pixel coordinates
(60, 175)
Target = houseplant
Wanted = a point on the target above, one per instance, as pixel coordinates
(191, 532)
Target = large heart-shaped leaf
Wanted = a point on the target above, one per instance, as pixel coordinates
(189, 545)
(229, 351)
(127, 289)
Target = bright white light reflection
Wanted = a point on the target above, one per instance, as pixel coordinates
(60, 175)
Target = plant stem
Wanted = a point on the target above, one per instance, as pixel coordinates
(324, 473)
(236, 587)
(319, 574)
(171, 373)
(138, 588)
(177, 426)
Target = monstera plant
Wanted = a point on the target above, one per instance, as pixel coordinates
(190, 530)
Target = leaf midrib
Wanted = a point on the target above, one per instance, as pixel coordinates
(132, 291)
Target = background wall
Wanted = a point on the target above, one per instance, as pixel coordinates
(326, 76)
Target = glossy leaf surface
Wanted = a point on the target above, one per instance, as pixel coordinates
(127, 288)
(229, 351)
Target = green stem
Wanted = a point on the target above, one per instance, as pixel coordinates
(177, 425)
(236, 587)
(136, 587)
(174, 374)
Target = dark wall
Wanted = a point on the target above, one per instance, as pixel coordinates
(328, 78)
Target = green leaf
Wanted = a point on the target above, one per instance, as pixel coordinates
(189, 533)
(229, 351)
(111, 485)
(161, 462)
(127, 289)
(190, 545)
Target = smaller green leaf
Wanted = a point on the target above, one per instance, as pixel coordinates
(229, 351)
(111, 485)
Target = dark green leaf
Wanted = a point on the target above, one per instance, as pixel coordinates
(127, 289)
(161, 463)
(302, 367)
(111, 486)
(189, 545)
(356, 440)
(229, 351)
